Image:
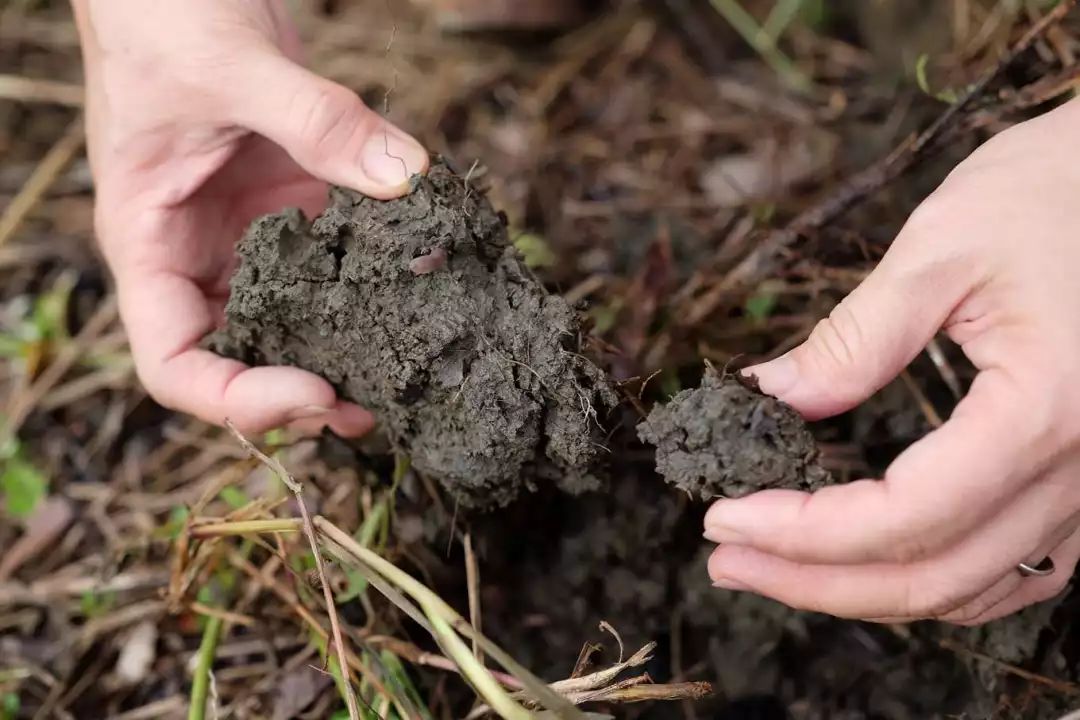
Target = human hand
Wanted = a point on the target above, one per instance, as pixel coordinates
(199, 119)
(991, 257)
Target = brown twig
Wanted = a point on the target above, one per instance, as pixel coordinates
(654, 691)
(36, 90)
(22, 405)
(39, 182)
(331, 609)
(1061, 686)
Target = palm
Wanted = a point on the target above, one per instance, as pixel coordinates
(256, 178)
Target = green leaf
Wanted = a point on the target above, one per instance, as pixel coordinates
(920, 74)
(945, 95)
(763, 212)
(10, 447)
(760, 305)
(605, 316)
(9, 706)
(814, 14)
(24, 487)
(171, 529)
(356, 587)
(398, 676)
(535, 250)
(95, 604)
(374, 524)
(50, 311)
(11, 346)
(234, 497)
(47, 319)
(274, 437)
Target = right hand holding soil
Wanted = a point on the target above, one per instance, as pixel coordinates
(992, 258)
(200, 118)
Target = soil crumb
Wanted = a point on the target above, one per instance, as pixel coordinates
(420, 310)
(727, 438)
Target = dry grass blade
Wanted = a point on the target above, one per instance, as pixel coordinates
(601, 686)
(34, 90)
(584, 660)
(485, 685)
(389, 591)
(244, 527)
(536, 687)
(472, 581)
(645, 692)
(601, 678)
(44, 175)
(23, 404)
(609, 628)
(1066, 688)
(335, 626)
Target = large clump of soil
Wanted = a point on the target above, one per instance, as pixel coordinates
(727, 438)
(419, 309)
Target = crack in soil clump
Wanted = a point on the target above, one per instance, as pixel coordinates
(727, 438)
(421, 310)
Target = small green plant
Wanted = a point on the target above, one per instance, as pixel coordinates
(24, 486)
(760, 305)
(94, 604)
(174, 526)
(372, 533)
(234, 497)
(535, 250)
(605, 316)
(9, 706)
(43, 325)
(764, 38)
(946, 95)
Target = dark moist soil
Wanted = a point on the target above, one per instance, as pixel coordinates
(727, 438)
(420, 310)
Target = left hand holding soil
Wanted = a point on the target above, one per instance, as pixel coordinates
(991, 259)
(201, 118)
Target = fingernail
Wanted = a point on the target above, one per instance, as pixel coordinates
(390, 157)
(729, 584)
(776, 377)
(308, 411)
(724, 524)
(723, 535)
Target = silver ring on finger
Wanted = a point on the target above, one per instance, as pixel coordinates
(1041, 569)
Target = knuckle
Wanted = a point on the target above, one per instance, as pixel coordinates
(836, 339)
(156, 386)
(910, 548)
(326, 117)
(928, 597)
(970, 613)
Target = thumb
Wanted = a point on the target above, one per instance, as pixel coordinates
(864, 343)
(326, 128)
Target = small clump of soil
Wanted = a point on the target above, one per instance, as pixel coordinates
(727, 438)
(420, 310)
